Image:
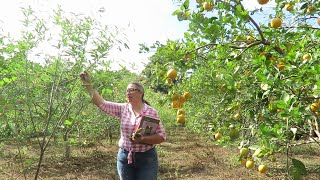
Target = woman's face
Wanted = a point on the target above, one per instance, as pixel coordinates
(133, 94)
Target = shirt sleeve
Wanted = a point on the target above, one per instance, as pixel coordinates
(112, 108)
(161, 131)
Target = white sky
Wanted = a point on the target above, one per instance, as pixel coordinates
(150, 21)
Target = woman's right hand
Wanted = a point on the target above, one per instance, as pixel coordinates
(85, 77)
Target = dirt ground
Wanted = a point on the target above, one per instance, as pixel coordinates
(183, 156)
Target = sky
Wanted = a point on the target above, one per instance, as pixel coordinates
(150, 21)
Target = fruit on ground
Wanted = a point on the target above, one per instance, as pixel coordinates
(244, 152)
(217, 136)
(186, 95)
(181, 119)
(262, 168)
(172, 74)
(207, 6)
(306, 57)
(276, 22)
(288, 7)
(262, 2)
(249, 164)
(182, 99)
(243, 162)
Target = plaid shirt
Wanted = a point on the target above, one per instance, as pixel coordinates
(129, 122)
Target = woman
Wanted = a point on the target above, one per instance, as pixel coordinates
(137, 157)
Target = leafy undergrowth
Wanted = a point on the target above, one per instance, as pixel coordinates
(183, 156)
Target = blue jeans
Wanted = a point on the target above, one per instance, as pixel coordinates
(144, 165)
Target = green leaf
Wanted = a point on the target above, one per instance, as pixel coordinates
(67, 122)
(299, 167)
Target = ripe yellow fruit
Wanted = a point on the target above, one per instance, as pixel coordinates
(314, 107)
(217, 136)
(261, 117)
(172, 74)
(187, 56)
(250, 39)
(181, 119)
(181, 112)
(306, 57)
(169, 81)
(250, 164)
(244, 152)
(318, 21)
(174, 96)
(262, 168)
(263, 1)
(182, 99)
(310, 9)
(288, 7)
(186, 95)
(207, 6)
(276, 22)
(175, 104)
(237, 116)
(281, 66)
(243, 162)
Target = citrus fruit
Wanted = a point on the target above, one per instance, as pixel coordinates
(186, 95)
(244, 152)
(250, 164)
(181, 119)
(263, 1)
(172, 74)
(262, 168)
(276, 22)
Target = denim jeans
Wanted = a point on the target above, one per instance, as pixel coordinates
(143, 167)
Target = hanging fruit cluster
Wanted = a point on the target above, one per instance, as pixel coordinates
(177, 100)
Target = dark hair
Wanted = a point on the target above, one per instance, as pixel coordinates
(141, 89)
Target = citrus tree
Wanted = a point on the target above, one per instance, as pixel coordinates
(41, 95)
(253, 73)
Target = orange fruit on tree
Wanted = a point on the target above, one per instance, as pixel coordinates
(237, 116)
(181, 119)
(262, 168)
(174, 96)
(175, 104)
(182, 99)
(172, 74)
(276, 22)
(306, 57)
(288, 7)
(281, 66)
(250, 164)
(263, 1)
(186, 95)
(181, 111)
(207, 6)
(314, 107)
